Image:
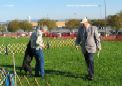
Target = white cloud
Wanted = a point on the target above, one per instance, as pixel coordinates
(82, 5)
(9, 5)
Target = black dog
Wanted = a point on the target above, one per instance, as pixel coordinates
(27, 59)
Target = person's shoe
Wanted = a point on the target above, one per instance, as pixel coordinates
(30, 75)
(90, 78)
(86, 75)
(42, 76)
(37, 75)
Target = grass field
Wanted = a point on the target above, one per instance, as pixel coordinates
(65, 65)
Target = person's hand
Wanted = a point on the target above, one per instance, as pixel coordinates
(99, 49)
(43, 46)
(76, 47)
(98, 54)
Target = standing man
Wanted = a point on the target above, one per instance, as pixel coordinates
(37, 46)
(89, 40)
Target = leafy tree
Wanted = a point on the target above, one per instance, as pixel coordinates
(2, 27)
(115, 21)
(120, 19)
(26, 26)
(72, 24)
(120, 14)
(98, 22)
(47, 22)
(13, 26)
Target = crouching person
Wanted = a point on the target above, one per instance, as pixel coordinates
(37, 46)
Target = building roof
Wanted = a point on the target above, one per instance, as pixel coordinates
(60, 24)
(34, 24)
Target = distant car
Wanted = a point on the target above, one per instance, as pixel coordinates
(102, 33)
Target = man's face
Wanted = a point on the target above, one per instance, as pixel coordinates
(83, 25)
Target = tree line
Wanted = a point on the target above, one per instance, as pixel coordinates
(115, 21)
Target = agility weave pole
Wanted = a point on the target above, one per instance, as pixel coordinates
(6, 79)
(4, 73)
(2, 76)
(27, 81)
(18, 76)
(36, 82)
(15, 74)
(19, 80)
(15, 82)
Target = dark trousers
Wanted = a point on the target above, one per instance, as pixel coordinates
(90, 63)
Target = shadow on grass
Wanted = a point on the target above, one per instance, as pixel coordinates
(48, 72)
(66, 74)
(10, 68)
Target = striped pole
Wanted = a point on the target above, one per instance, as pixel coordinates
(27, 81)
(15, 83)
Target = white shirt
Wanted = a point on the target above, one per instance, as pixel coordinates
(36, 39)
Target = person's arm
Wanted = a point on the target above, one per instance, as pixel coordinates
(97, 39)
(42, 45)
(78, 39)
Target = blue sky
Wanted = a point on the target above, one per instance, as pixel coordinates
(56, 9)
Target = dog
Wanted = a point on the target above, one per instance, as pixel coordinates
(27, 59)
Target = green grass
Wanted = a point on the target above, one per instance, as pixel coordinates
(65, 66)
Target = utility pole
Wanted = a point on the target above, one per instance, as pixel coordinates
(105, 17)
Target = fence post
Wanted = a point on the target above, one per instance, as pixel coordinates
(6, 50)
(48, 45)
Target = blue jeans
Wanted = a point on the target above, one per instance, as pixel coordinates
(90, 63)
(39, 67)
